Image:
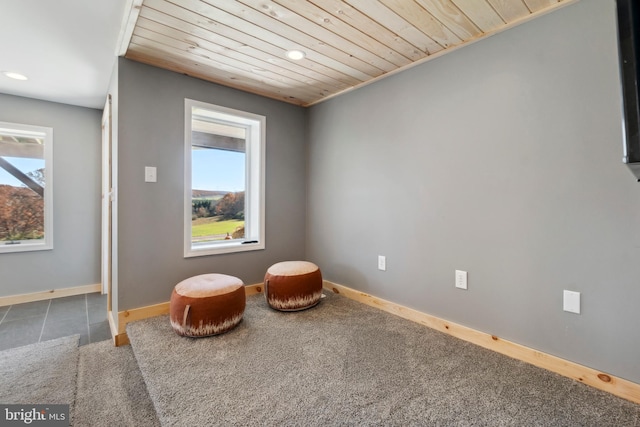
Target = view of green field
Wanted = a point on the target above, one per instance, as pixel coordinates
(216, 215)
(213, 228)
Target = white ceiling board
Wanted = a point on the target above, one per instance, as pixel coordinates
(65, 47)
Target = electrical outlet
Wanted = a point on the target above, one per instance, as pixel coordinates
(571, 302)
(382, 262)
(150, 174)
(461, 279)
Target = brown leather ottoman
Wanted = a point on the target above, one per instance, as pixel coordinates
(208, 304)
(293, 285)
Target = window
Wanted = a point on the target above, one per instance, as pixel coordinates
(224, 180)
(26, 222)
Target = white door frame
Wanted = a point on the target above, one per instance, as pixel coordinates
(107, 199)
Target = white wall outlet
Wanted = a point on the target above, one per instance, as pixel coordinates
(461, 279)
(571, 302)
(150, 174)
(382, 262)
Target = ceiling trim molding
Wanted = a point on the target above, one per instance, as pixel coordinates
(129, 19)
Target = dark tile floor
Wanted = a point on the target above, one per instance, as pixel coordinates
(28, 323)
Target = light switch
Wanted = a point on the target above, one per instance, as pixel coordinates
(150, 174)
(382, 262)
(461, 279)
(571, 302)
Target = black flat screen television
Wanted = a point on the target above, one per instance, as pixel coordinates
(629, 54)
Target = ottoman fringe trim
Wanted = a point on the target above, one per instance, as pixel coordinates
(295, 303)
(205, 330)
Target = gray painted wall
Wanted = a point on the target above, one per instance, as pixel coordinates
(75, 258)
(502, 159)
(150, 215)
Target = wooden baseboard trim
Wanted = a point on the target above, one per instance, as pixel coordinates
(600, 380)
(53, 293)
(119, 328)
(118, 339)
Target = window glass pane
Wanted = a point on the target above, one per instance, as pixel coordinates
(218, 171)
(224, 180)
(23, 184)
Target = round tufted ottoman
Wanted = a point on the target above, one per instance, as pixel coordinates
(208, 304)
(293, 285)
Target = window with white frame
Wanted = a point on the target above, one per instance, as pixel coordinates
(26, 156)
(224, 180)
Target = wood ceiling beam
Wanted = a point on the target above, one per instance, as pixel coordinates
(20, 149)
(219, 142)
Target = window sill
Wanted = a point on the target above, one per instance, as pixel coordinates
(24, 246)
(205, 249)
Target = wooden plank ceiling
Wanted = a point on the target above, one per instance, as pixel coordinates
(347, 43)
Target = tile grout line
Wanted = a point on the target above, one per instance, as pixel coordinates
(5, 315)
(45, 321)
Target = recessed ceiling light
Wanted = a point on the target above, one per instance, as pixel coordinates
(14, 75)
(296, 55)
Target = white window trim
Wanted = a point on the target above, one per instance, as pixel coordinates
(47, 242)
(255, 181)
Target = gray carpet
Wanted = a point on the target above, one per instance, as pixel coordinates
(41, 373)
(344, 363)
(101, 383)
(111, 391)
